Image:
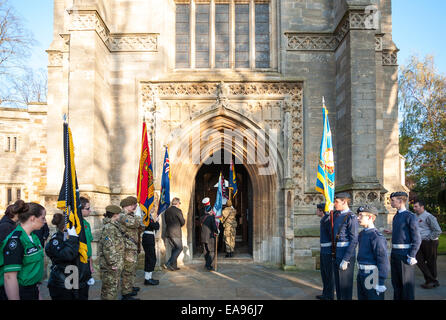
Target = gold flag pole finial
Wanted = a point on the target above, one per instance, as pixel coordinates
(323, 100)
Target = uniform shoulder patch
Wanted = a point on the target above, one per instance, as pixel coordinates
(12, 244)
(55, 242)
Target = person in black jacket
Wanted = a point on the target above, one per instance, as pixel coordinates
(64, 256)
(148, 244)
(208, 232)
(174, 221)
(9, 220)
(43, 234)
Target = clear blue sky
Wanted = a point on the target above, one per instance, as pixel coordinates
(419, 27)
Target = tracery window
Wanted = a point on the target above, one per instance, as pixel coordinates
(223, 34)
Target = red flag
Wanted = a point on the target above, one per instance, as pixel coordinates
(145, 188)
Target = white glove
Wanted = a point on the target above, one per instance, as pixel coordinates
(72, 232)
(344, 265)
(380, 289)
(90, 282)
(411, 260)
(138, 212)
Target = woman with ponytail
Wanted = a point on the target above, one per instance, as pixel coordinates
(21, 255)
(9, 220)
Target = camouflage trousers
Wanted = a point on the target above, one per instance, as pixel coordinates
(110, 284)
(129, 270)
(229, 235)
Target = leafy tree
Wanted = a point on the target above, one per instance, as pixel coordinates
(422, 105)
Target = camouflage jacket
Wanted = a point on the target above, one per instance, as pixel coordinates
(111, 245)
(130, 224)
(228, 217)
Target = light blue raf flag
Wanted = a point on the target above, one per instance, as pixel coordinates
(219, 199)
(325, 182)
(165, 185)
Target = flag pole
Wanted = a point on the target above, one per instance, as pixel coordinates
(216, 252)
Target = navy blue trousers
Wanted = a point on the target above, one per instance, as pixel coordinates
(363, 292)
(344, 279)
(327, 276)
(403, 278)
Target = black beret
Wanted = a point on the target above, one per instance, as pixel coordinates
(342, 195)
(321, 206)
(129, 201)
(113, 209)
(367, 208)
(398, 194)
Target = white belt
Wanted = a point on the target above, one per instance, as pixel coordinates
(400, 246)
(149, 232)
(342, 244)
(326, 244)
(367, 266)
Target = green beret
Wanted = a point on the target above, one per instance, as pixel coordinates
(129, 201)
(113, 209)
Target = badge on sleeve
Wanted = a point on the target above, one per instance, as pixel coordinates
(12, 244)
(55, 242)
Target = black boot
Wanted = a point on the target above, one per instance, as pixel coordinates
(228, 255)
(128, 297)
(151, 282)
(136, 289)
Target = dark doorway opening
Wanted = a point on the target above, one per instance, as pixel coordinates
(205, 181)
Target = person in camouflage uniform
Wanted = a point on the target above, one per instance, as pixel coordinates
(111, 253)
(130, 224)
(230, 225)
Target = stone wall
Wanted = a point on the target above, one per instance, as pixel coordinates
(110, 68)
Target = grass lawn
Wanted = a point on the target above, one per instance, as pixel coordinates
(442, 244)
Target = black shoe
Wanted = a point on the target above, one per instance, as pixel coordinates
(128, 297)
(436, 283)
(231, 254)
(169, 267)
(136, 289)
(151, 282)
(321, 297)
(228, 255)
(176, 268)
(210, 268)
(428, 285)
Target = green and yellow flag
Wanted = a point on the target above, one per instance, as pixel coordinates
(68, 200)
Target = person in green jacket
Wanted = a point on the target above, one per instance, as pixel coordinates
(86, 210)
(21, 258)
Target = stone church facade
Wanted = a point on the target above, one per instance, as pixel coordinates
(202, 73)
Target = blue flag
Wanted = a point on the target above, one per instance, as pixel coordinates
(232, 179)
(325, 182)
(219, 198)
(165, 185)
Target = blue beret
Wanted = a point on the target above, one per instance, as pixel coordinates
(398, 194)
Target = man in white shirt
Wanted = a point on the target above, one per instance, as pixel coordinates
(427, 254)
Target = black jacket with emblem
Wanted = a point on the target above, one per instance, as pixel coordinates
(62, 254)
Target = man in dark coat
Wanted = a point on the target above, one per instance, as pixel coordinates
(208, 232)
(174, 221)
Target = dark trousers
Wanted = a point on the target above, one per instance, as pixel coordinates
(427, 260)
(363, 292)
(3, 296)
(57, 293)
(327, 276)
(177, 247)
(344, 279)
(209, 252)
(148, 244)
(29, 292)
(403, 278)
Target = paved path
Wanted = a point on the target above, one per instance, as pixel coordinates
(250, 281)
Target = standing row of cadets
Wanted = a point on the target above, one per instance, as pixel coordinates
(339, 237)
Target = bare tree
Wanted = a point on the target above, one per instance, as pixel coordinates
(15, 46)
(30, 87)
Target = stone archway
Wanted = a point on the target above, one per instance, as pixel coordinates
(268, 228)
(177, 113)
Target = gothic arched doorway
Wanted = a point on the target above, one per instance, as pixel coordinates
(205, 181)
